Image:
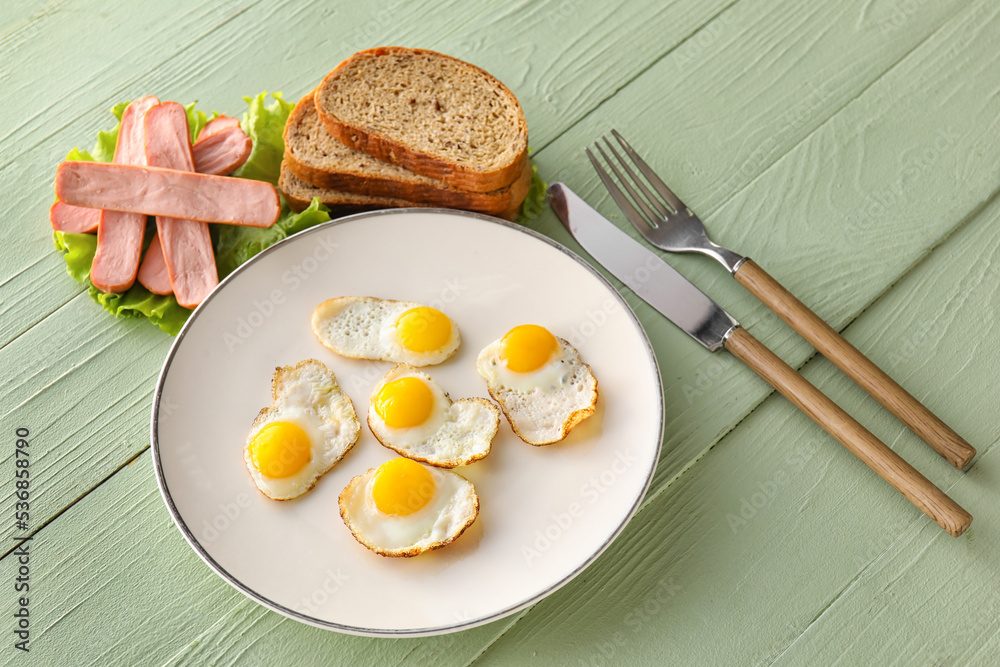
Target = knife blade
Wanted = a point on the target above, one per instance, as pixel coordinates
(670, 293)
(642, 270)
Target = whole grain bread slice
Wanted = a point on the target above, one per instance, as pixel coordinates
(299, 194)
(427, 112)
(315, 157)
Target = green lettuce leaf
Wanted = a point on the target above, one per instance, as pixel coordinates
(264, 123)
(78, 251)
(535, 201)
(163, 311)
(104, 149)
(197, 120)
(235, 245)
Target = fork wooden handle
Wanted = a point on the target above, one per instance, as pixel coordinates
(931, 500)
(855, 365)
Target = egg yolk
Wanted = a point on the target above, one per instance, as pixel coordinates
(280, 450)
(527, 348)
(423, 329)
(404, 402)
(401, 487)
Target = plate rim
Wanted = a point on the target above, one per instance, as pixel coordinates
(411, 632)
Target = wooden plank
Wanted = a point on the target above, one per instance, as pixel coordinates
(226, 643)
(666, 349)
(106, 353)
(735, 97)
(781, 547)
(693, 407)
(922, 601)
(65, 330)
(59, 374)
(568, 61)
(867, 193)
(113, 582)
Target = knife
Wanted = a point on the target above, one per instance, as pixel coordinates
(670, 293)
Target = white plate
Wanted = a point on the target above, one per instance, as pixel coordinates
(546, 512)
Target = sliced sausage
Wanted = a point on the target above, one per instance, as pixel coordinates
(214, 125)
(168, 192)
(119, 233)
(153, 273)
(222, 152)
(186, 244)
(74, 219)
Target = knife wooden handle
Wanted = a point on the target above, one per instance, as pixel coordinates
(931, 500)
(855, 365)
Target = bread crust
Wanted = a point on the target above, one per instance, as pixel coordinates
(389, 150)
(338, 201)
(306, 167)
(343, 203)
(497, 202)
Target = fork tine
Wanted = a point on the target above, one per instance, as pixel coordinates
(639, 222)
(656, 181)
(655, 201)
(637, 201)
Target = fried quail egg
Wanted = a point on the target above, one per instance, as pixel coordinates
(404, 508)
(308, 427)
(364, 327)
(540, 382)
(411, 414)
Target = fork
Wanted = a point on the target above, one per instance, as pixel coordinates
(667, 223)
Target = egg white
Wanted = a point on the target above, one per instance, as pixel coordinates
(308, 396)
(364, 327)
(453, 508)
(542, 406)
(455, 433)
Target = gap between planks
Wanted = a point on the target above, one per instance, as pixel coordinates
(656, 59)
(961, 224)
(624, 85)
(694, 461)
(83, 495)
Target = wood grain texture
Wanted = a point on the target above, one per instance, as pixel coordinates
(875, 620)
(59, 378)
(863, 132)
(114, 583)
(747, 558)
(840, 217)
(164, 51)
(886, 463)
(855, 364)
(84, 610)
(189, 51)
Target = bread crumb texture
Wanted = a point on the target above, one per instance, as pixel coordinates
(433, 103)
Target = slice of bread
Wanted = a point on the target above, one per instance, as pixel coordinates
(299, 194)
(320, 160)
(430, 113)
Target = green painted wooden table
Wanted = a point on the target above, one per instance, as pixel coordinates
(852, 148)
